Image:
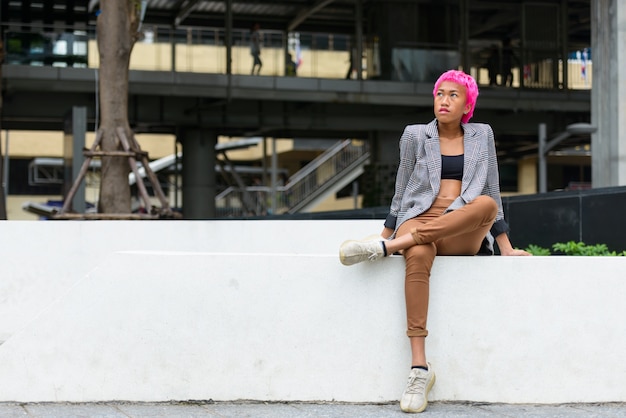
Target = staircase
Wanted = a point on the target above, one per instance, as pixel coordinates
(331, 171)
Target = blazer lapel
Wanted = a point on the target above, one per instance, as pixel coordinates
(433, 155)
(471, 147)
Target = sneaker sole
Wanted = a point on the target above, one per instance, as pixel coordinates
(425, 404)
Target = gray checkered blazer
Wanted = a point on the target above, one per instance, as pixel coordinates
(419, 173)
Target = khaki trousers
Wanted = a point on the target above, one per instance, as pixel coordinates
(459, 232)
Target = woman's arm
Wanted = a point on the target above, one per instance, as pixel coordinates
(504, 244)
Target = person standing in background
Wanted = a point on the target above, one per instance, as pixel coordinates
(291, 68)
(255, 49)
(509, 61)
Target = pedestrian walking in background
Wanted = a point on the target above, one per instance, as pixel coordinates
(255, 49)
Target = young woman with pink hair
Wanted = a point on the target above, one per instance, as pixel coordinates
(446, 202)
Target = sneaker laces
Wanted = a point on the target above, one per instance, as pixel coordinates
(416, 384)
(373, 254)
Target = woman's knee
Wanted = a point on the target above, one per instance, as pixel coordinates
(421, 253)
(487, 203)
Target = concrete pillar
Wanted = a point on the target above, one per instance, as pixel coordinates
(74, 132)
(386, 146)
(608, 54)
(199, 180)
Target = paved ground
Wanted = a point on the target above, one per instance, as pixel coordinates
(306, 410)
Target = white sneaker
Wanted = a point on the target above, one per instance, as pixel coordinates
(354, 251)
(415, 396)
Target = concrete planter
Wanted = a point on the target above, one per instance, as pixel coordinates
(180, 310)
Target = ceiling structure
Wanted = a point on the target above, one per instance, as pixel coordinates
(488, 19)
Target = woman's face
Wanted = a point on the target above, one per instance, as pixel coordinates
(450, 102)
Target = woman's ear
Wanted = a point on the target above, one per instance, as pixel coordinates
(468, 107)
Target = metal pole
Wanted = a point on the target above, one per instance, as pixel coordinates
(285, 51)
(564, 45)
(229, 49)
(465, 58)
(264, 163)
(229, 37)
(545, 147)
(359, 39)
(5, 176)
(274, 176)
(543, 181)
(173, 45)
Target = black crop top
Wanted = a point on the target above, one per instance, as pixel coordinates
(452, 167)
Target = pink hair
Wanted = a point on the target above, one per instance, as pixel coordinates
(465, 80)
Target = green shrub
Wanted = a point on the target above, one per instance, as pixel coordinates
(574, 248)
(537, 250)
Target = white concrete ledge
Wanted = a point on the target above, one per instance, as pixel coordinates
(263, 310)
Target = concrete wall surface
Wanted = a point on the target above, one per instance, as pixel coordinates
(263, 310)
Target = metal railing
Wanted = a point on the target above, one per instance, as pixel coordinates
(199, 50)
(320, 55)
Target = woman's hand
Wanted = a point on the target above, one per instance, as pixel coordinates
(506, 248)
(515, 251)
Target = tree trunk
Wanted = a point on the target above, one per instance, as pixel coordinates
(3, 203)
(116, 34)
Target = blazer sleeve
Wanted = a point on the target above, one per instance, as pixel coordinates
(405, 169)
(493, 186)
